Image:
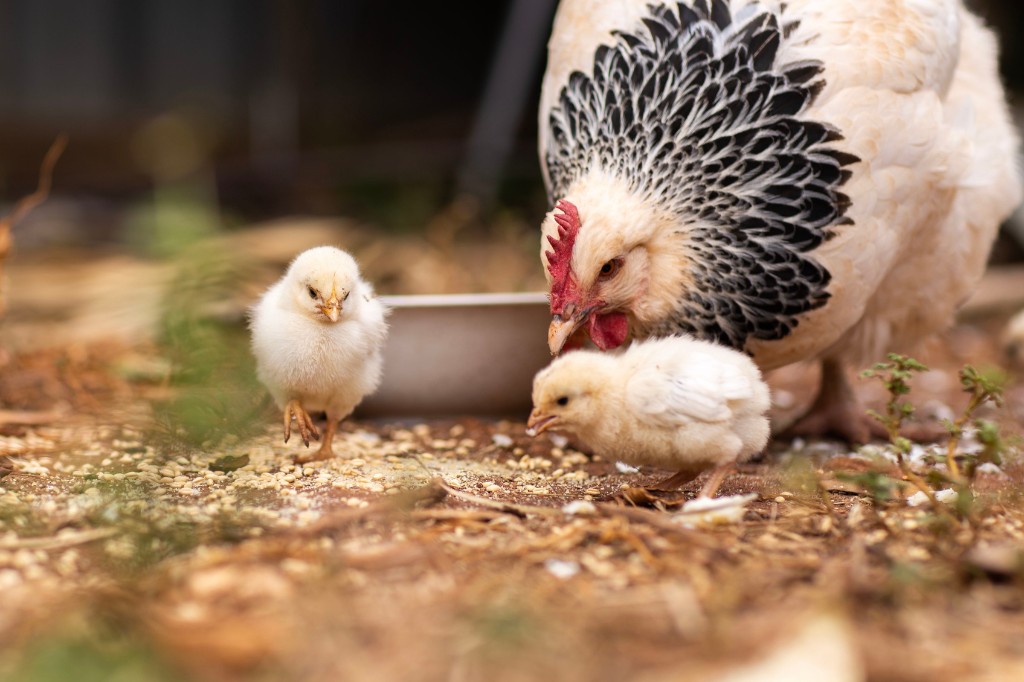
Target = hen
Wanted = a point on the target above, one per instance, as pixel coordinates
(318, 335)
(1013, 342)
(674, 403)
(794, 179)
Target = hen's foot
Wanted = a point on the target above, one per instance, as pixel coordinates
(836, 411)
(307, 429)
(326, 450)
(925, 432)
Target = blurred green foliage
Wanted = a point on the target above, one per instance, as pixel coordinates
(213, 388)
(215, 392)
(94, 658)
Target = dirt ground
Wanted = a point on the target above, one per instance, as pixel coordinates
(463, 550)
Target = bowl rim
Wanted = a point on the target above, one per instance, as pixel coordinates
(465, 300)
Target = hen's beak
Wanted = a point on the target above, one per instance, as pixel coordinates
(560, 330)
(332, 308)
(539, 423)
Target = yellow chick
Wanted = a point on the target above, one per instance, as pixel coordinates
(318, 336)
(674, 403)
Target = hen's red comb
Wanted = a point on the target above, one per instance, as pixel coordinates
(562, 286)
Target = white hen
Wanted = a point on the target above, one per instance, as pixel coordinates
(1013, 342)
(796, 179)
(318, 335)
(674, 403)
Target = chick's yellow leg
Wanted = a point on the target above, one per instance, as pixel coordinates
(307, 429)
(714, 481)
(325, 451)
(675, 481)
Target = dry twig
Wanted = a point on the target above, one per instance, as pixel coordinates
(401, 503)
(27, 204)
(520, 510)
(62, 541)
(30, 417)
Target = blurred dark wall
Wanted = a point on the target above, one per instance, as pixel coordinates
(293, 98)
(277, 87)
(1007, 18)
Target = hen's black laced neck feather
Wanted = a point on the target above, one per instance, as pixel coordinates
(695, 110)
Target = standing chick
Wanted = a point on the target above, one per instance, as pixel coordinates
(675, 403)
(317, 336)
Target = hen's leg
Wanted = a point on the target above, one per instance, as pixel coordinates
(836, 411)
(326, 451)
(307, 429)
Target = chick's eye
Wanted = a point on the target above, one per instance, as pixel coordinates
(564, 400)
(312, 292)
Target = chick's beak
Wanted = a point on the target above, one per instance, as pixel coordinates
(560, 330)
(539, 422)
(332, 308)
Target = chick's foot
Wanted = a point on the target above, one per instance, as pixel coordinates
(326, 449)
(307, 429)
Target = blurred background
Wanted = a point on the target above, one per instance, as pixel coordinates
(209, 142)
(390, 114)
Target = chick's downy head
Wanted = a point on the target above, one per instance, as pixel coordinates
(320, 282)
(568, 394)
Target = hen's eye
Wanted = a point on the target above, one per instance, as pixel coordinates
(312, 292)
(564, 400)
(610, 268)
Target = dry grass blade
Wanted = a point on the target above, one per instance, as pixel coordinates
(655, 519)
(400, 503)
(29, 417)
(520, 510)
(62, 541)
(456, 514)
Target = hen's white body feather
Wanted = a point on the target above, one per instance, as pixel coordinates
(912, 87)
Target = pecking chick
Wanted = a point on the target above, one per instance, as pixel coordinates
(317, 335)
(674, 403)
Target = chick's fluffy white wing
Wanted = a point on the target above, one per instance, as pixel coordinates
(697, 390)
